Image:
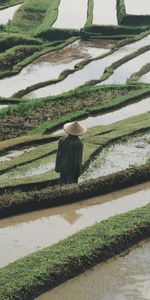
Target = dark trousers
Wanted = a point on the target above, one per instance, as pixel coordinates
(67, 179)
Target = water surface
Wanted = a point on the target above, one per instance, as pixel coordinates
(22, 235)
(123, 72)
(50, 65)
(94, 70)
(120, 156)
(137, 7)
(128, 111)
(7, 14)
(72, 14)
(124, 277)
(105, 12)
(145, 78)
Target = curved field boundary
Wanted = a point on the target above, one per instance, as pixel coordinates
(136, 76)
(21, 202)
(30, 276)
(130, 20)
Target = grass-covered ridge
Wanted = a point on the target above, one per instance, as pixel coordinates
(36, 273)
(131, 20)
(17, 202)
(96, 139)
(84, 101)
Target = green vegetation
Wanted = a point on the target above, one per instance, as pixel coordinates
(36, 273)
(94, 141)
(136, 76)
(131, 20)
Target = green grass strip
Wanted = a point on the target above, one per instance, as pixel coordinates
(17, 202)
(36, 273)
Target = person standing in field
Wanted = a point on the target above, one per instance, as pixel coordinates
(69, 153)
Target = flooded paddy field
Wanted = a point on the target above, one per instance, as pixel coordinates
(116, 140)
(51, 65)
(115, 116)
(92, 71)
(134, 7)
(120, 156)
(145, 78)
(21, 235)
(125, 276)
(72, 14)
(104, 16)
(7, 14)
(122, 73)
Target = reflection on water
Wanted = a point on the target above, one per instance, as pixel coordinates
(131, 110)
(119, 157)
(8, 13)
(20, 239)
(135, 7)
(125, 277)
(104, 16)
(72, 14)
(94, 70)
(122, 73)
(49, 66)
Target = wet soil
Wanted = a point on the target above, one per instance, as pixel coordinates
(145, 78)
(19, 123)
(24, 234)
(124, 277)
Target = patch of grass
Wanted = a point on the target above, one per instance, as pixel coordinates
(36, 273)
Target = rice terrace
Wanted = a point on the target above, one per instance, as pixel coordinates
(86, 62)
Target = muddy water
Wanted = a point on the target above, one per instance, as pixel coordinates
(15, 153)
(121, 114)
(124, 277)
(135, 151)
(49, 66)
(135, 7)
(7, 14)
(94, 70)
(104, 16)
(72, 14)
(21, 235)
(122, 73)
(145, 78)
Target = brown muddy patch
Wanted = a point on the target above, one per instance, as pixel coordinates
(123, 277)
(23, 235)
(78, 49)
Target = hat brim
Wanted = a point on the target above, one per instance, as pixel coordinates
(70, 130)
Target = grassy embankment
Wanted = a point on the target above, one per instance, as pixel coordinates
(82, 64)
(131, 20)
(84, 101)
(41, 271)
(110, 70)
(94, 141)
(136, 76)
(17, 202)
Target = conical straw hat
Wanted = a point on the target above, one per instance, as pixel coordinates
(75, 128)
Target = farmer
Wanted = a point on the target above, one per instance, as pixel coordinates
(69, 153)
